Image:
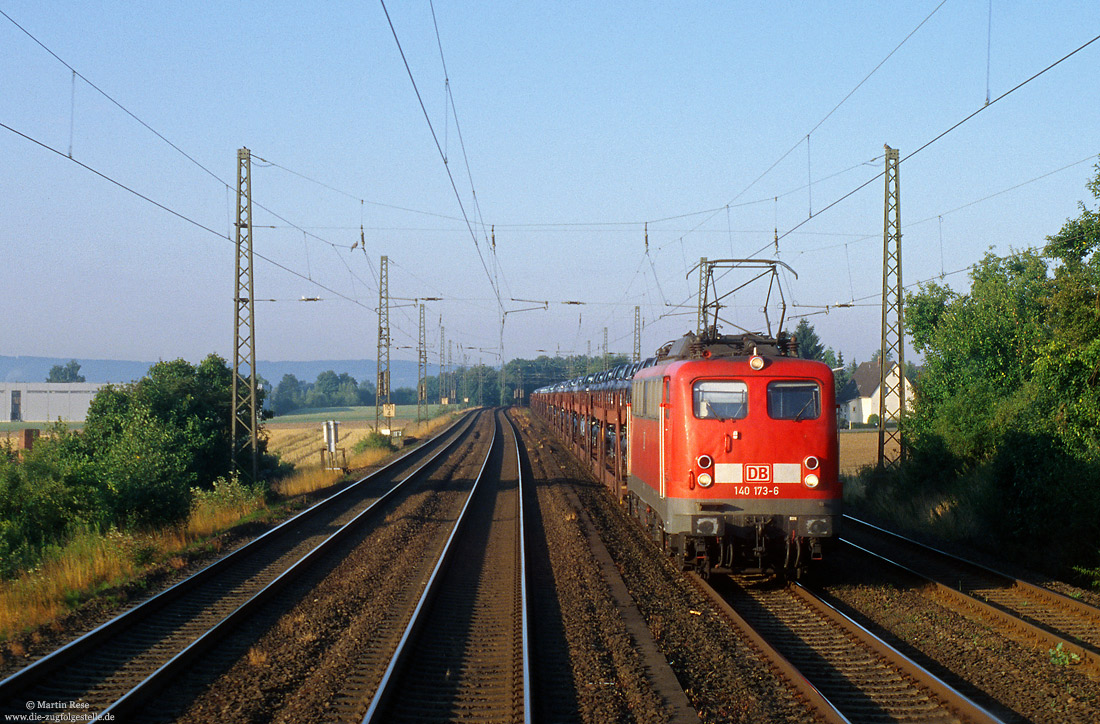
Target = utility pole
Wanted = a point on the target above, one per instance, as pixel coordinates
(637, 334)
(891, 409)
(382, 391)
(421, 367)
(605, 349)
(244, 345)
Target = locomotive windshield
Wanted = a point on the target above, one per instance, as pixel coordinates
(794, 400)
(720, 399)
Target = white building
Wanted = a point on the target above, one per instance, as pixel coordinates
(46, 401)
(860, 397)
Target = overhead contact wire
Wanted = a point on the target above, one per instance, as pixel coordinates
(102, 92)
(435, 138)
(949, 130)
(179, 215)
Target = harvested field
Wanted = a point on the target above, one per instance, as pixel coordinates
(298, 438)
(857, 448)
(300, 443)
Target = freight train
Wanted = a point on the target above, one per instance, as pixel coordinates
(724, 447)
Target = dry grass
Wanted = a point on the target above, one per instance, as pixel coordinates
(90, 562)
(306, 480)
(257, 656)
(369, 457)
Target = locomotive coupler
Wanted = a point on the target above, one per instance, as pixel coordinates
(760, 548)
(815, 549)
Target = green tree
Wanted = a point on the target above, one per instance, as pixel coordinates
(809, 345)
(978, 351)
(841, 373)
(1076, 243)
(41, 498)
(148, 471)
(287, 395)
(191, 401)
(144, 447)
(66, 373)
(367, 393)
(1007, 416)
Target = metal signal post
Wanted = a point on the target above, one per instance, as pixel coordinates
(244, 345)
(891, 445)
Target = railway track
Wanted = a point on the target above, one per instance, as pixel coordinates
(464, 653)
(842, 670)
(1042, 616)
(118, 666)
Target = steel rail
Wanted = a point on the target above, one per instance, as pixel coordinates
(959, 703)
(1055, 597)
(528, 708)
(155, 681)
(28, 676)
(386, 690)
(780, 665)
(1086, 654)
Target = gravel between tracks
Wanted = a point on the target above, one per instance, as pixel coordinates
(1017, 680)
(294, 670)
(724, 679)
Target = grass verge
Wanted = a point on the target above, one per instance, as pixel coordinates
(91, 563)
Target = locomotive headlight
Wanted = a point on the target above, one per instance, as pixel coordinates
(811, 480)
(704, 461)
(705, 480)
(756, 362)
(811, 462)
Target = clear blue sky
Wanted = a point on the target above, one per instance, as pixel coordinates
(580, 122)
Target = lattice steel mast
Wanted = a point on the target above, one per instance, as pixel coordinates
(891, 409)
(244, 346)
(451, 376)
(421, 367)
(442, 373)
(637, 334)
(701, 316)
(382, 389)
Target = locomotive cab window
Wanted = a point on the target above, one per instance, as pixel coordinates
(720, 399)
(794, 400)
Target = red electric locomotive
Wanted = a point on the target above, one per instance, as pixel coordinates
(733, 453)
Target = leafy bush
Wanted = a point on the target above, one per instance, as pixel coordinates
(144, 447)
(228, 493)
(374, 440)
(145, 473)
(1006, 425)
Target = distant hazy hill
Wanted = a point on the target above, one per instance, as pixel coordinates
(37, 369)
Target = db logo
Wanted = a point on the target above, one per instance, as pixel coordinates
(758, 473)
